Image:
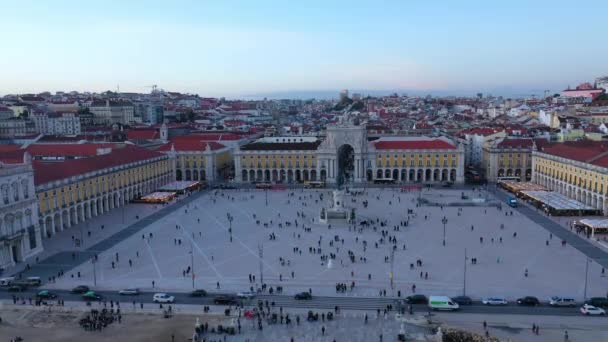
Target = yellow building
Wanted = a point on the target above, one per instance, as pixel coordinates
(508, 158)
(75, 190)
(577, 169)
(345, 155)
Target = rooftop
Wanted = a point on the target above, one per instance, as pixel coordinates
(413, 143)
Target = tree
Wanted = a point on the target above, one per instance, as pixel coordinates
(24, 115)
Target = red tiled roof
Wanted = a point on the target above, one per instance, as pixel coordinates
(190, 145)
(142, 134)
(45, 172)
(9, 147)
(66, 150)
(12, 157)
(584, 151)
(515, 143)
(433, 144)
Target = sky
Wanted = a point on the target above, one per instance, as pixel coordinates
(244, 48)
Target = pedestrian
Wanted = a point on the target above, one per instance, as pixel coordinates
(323, 330)
(566, 338)
(485, 325)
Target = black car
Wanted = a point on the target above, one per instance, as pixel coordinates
(198, 293)
(225, 300)
(528, 300)
(303, 296)
(463, 300)
(17, 288)
(80, 289)
(600, 302)
(45, 294)
(417, 299)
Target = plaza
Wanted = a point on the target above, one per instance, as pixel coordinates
(198, 235)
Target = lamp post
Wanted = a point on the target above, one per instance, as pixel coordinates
(192, 263)
(94, 271)
(266, 195)
(444, 220)
(464, 278)
(586, 275)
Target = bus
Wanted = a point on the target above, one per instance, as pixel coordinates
(263, 186)
(314, 184)
(384, 181)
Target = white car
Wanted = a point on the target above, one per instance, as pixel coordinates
(246, 295)
(494, 301)
(592, 310)
(163, 298)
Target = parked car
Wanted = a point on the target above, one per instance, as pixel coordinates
(6, 281)
(17, 288)
(246, 295)
(91, 295)
(528, 300)
(600, 302)
(463, 300)
(129, 292)
(45, 294)
(80, 289)
(198, 293)
(163, 298)
(494, 301)
(225, 300)
(416, 299)
(303, 296)
(591, 310)
(33, 281)
(562, 301)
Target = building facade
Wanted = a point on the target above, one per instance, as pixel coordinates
(57, 124)
(111, 112)
(345, 155)
(20, 236)
(508, 157)
(75, 190)
(576, 169)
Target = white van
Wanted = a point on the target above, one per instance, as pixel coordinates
(442, 303)
(562, 301)
(6, 281)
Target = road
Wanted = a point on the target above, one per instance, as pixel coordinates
(576, 241)
(317, 302)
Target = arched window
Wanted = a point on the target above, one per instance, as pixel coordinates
(15, 190)
(25, 186)
(4, 190)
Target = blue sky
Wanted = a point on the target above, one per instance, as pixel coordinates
(234, 48)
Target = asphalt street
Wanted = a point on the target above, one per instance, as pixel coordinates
(316, 303)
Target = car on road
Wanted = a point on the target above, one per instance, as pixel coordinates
(246, 295)
(225, 300)
(80, 289)
(45, 294)
(416, 299)
(91, 295)
(528, 300)
(463, 300)
(494, 301)
(591, 310)
(303, 296)
(198, 293)
(562, 301)
(600, 302)
(129, 292)
(163, 298)
(17, 287)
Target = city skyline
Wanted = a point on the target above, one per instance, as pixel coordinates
(251, 50)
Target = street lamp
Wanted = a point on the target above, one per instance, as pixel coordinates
(230, 219)
(94, 271)
(444, 220)
(586, 276)
(192, 263)
(464, 278)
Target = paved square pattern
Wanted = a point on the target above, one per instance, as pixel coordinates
(203, 229)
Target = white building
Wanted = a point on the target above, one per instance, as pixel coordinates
(110, 112)
(55, 124)
(20, 236)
